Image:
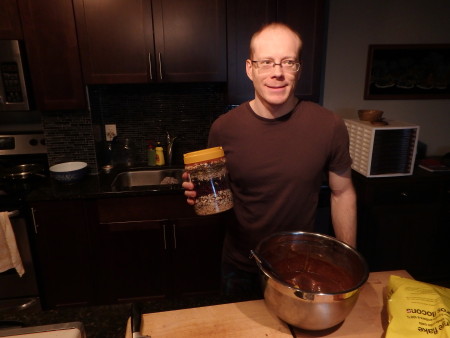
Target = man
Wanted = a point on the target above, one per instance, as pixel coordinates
(277, 149)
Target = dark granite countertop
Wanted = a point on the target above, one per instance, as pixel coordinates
(97, 186)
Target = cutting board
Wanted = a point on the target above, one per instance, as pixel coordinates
(236, 320)
(252, 319)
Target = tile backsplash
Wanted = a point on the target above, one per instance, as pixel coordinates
(69, 137)
(141, 112)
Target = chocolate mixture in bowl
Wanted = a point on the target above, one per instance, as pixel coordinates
(313, 275)
(315, 280)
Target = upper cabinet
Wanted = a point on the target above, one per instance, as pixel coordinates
(139, 41)
(306, 16)
(10, 28)
(72, 43)
(52, 50)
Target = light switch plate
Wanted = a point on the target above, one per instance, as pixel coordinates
(110, 131)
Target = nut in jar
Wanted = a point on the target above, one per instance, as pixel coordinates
(208, 172)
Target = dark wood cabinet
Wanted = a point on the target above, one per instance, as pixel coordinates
(154, 246)
(63, 252)
(120, 249)
(240, 28)
(308, 18)
(141, 41)
(196, 255)
(401, 224)
(10, 28)
(52, 50)
(131, 258)
(245, 17)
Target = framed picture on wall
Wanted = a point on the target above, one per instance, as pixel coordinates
(402, 72)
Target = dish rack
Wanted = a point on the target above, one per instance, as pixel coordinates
(382, 150)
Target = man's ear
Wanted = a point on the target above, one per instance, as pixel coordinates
(249, 69)
(299, 73)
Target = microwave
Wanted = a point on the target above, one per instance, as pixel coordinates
(382, 150)
(13, 89)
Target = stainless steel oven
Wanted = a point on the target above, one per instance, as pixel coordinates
(19, 147)
(16, 290)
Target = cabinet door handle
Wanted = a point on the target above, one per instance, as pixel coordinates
(174, 236)
(88, 98)
(150, 65)
(34, 221)
(164, 236)
(160, 66)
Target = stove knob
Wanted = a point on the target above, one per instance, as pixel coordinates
(43, 141)
(33, 142)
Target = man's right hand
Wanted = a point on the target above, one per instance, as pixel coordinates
(189, 192)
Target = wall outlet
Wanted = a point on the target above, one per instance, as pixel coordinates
(110, 131)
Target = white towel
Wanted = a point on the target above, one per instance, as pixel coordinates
(9, 254)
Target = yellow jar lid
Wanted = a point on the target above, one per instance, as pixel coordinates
(203, 155)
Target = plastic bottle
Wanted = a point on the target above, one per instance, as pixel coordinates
(160, 156)
(208, 172)
(151, 155)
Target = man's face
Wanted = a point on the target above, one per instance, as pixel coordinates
(276, 86)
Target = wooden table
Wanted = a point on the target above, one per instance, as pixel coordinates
(252, 319)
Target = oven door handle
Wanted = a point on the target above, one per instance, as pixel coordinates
(34, 221)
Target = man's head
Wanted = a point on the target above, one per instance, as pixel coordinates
(275, 26)
(274, 65)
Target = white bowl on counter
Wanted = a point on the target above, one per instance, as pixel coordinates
(68, 172)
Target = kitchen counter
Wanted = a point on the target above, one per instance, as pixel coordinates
(252, 318)
(96, 186)
(100, 186)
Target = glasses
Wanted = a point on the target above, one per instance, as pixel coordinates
(268, 65)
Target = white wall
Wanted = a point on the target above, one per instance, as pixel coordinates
(353, 26)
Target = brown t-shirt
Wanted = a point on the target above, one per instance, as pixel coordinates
(276, 167)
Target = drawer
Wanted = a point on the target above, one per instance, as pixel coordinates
(143, 208)
(400, 194)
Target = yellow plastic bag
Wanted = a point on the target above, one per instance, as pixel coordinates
(417, 309)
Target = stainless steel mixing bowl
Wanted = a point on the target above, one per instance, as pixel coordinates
(311, 281)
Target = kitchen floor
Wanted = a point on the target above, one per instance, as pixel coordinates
(106, 321)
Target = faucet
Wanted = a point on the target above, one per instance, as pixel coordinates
(170, 141)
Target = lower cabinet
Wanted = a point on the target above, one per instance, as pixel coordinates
(112, 250)
(401, 224)
(62, 253)
(154, 246)
(140, 257)
(130, 260)
(196, 255)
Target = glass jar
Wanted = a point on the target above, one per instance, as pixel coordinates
(123, 153)
(208, 172)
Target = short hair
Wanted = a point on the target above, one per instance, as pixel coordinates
(274, 25)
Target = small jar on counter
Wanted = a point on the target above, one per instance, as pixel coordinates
(123, 153)
(208, 172)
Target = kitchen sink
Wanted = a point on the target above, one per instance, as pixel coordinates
(163, 178)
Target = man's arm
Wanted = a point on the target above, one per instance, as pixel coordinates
(343, 206)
